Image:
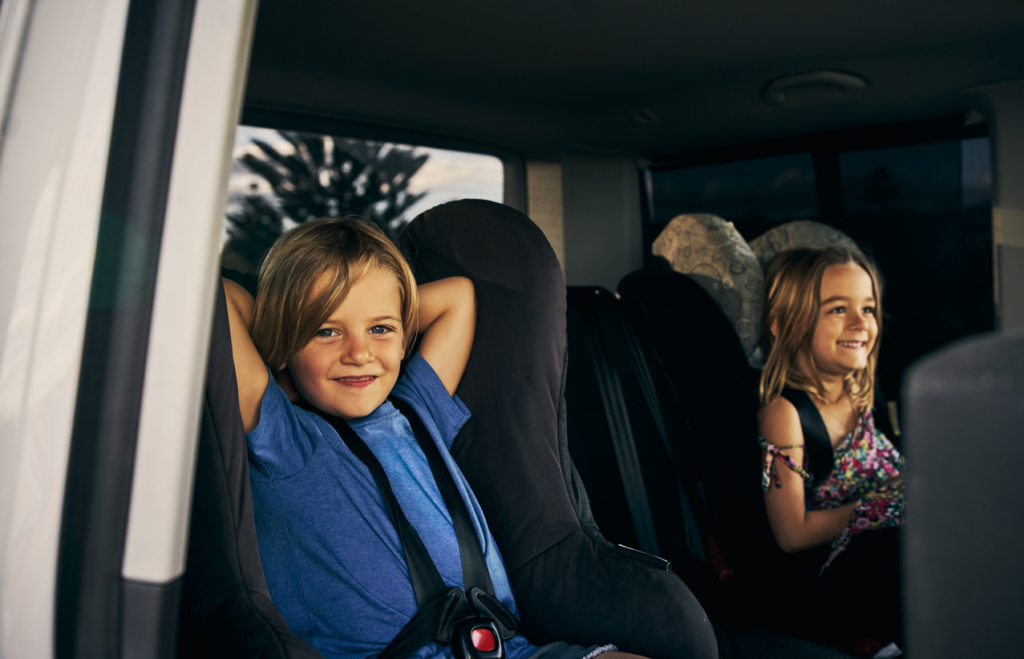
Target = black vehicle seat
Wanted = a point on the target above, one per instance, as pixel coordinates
(630, 443)
(570, 583)
(712, 252)
(962, 568)
(708, 372)
(226, 606)
(619, 393)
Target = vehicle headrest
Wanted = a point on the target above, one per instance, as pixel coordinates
(712, 252)
(793, 235)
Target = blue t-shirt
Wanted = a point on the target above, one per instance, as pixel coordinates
(333, 560)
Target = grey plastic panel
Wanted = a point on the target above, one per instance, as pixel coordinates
(1011, 291)
(964, 523)
(149, 619)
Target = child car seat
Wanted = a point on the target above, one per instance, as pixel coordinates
(570, 583)
(708, 371)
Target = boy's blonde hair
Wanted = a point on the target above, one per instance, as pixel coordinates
(290, 306)
(793, 282)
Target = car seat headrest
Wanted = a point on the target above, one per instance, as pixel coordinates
(712, 252)
(793, 235)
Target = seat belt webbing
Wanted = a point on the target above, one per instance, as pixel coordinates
(638, 363)
(816, 439)
(440, 607)
(474, 564)
(619, 428)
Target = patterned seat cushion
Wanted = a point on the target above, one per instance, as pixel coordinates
(711, 251)
(802, 233)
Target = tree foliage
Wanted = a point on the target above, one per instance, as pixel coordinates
(314, 176)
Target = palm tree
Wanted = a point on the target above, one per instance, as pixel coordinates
(315, 176)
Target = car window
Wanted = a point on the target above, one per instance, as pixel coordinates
(281, 178)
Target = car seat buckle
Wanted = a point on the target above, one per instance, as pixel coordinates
(477, 638)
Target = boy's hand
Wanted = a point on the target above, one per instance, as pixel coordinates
(447, 322)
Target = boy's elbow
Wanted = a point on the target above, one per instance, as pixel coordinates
(466, 295)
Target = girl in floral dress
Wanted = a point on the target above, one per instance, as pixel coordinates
(822, 322)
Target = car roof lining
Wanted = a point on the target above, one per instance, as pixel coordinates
(540, 76)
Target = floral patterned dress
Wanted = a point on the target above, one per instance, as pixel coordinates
(863, 460)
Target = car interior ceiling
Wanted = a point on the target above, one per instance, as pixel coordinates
(541, 77)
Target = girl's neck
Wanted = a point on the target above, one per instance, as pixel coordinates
(833, 386)
(833, 389)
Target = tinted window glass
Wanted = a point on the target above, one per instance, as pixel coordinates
(925, 213)
(281, 178)
(922, 178)
(753, 194)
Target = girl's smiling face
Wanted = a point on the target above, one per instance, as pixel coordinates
(847, 326)
(350, 366)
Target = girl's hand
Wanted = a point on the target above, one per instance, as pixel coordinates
(447, 322)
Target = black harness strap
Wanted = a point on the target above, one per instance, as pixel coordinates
(441, 608)
(619, 428)
(474, 565)
(816, 439)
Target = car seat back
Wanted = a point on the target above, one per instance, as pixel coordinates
(631, 446)
(570, 583)
(226, 606)
(708, 371)
(963, 576)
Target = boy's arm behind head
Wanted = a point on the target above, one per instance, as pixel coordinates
(447, 321)
(250, 371)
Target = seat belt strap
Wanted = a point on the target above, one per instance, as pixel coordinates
(426, 580)
(816, 439)
(638, 363)
(619, 428)
(446, 614)
(474, 564)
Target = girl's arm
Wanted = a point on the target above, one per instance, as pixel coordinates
(794, 527)
(250, 371)
(448, 324)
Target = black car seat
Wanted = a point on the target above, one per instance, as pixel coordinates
(631, 439)
(708, 373)
(226, 606)
(964, 426)
(630, 442)
(570, 583)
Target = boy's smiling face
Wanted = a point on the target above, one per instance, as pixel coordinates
(350, 366)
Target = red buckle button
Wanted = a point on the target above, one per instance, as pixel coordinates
(483, 639)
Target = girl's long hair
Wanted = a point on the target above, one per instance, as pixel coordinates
(793, 282)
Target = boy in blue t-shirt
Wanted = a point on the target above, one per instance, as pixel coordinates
(335, 313)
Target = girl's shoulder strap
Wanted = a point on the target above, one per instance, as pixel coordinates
(816, 441)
